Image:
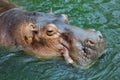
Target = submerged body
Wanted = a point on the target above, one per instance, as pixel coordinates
(47, 35)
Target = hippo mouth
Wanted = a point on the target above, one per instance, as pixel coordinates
(88, 51)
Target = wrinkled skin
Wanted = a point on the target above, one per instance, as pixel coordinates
(46, 35)
(85, 46)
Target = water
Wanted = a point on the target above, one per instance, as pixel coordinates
(103, 15)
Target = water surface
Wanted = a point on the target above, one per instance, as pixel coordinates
(103, 15)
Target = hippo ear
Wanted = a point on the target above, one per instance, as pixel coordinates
(33, 27)
(63, 18)
(27, 32)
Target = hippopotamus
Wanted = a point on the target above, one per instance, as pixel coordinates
(46, 35)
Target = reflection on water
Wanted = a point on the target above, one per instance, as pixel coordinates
(103, 15)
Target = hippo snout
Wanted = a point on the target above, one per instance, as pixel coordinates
(88, 48)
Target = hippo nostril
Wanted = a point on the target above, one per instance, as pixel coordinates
(99, 34)
(89, 42)
(101, 37)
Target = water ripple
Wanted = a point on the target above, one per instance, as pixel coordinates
(102, 15)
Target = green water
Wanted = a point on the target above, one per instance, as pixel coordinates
(103, 15)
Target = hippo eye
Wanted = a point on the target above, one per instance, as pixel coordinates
(51, 29)
(50, 32)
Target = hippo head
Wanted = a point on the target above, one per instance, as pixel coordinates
(86, 47)
(76, 45)
(47, 35)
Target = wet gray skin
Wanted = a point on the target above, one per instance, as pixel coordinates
(86, 45)
(78, 46)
